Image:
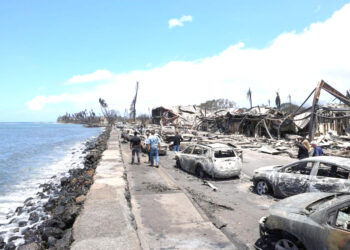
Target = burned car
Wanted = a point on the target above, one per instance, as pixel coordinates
(314, 174)
(168, 133)
(163, 145)
(307, 221)
(216, 160)
(127, 133)
(187, 139)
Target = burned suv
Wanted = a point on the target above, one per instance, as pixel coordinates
(213, 159)
(307, 221)
(315, 174)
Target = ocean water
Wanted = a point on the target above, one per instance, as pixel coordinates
(35, 153)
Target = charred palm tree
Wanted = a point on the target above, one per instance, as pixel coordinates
(249, 97)
(278, 101)
(105, 111)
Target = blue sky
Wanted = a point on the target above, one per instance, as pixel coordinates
(43, 44)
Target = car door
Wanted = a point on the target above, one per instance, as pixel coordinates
(338, 228)
(197, 158)
(294, 178)
(185, 158)
(192, 159)
(330, 178)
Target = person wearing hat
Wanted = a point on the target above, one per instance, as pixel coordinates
(317, 149)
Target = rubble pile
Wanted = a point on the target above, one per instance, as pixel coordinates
(266, 129)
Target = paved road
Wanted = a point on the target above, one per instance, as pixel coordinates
(253, 160)
(233, 208)
(166, 217)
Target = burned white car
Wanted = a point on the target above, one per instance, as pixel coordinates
(307, 221)
(314, 174)
(168, 133)
(215, 160)
(163, 146)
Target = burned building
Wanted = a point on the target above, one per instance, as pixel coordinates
(262, 120)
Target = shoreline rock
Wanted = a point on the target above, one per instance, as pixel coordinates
(64, 203)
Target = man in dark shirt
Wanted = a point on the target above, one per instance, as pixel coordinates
(177, 141)
(135, 146)
(302, 152)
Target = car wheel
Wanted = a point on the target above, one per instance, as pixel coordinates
(286, 243)
(262, 187)
(178, 164)
(199, 172)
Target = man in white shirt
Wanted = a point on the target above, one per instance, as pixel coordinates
(154, 147)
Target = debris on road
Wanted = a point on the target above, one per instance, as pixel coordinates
(210, 185)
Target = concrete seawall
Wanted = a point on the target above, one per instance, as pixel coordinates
(106, 221)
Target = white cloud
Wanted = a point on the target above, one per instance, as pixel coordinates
(98, 75)
(39, 102)
(293, 63)
(179, 22)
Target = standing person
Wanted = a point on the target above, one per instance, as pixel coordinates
(141, 128)
(135, 147)
(177, 140)
(147, 147)
(154, 147)
(303, 151)
(317, 149)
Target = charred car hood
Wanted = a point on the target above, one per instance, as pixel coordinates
(268, 168)
(297, 203)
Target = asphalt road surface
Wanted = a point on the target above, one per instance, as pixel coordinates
(234, 208)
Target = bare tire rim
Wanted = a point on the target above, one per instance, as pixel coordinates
(200, 173)
(285, 244)
(262, 188)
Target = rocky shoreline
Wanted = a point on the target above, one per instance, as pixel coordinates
(52, 229)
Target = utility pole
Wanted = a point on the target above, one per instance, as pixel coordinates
(290, 103)
(249, 97)
(133, 104)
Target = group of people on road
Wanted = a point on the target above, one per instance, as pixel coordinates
(153, 146)
(305, 148)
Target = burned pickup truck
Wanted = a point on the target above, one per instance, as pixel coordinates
(307, 221)
(314, 174)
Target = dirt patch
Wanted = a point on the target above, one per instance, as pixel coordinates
(202, 198)
(158, 188)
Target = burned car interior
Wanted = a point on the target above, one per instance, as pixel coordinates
(224, 153)
(304, 168)
(332, 171)
(343, 218)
